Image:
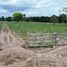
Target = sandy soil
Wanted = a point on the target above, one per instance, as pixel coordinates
(14, 54)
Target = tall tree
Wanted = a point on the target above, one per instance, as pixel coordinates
(65, 11)
(62, 18)
(2, 18)
(9, 19)
(18, 16)
(54, 19)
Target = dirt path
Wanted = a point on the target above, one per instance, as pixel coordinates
(9, 38)
(12, 53)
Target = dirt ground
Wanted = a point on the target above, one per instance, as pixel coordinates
(14, 53)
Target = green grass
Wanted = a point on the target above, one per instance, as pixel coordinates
(1, 25)
(23, 27)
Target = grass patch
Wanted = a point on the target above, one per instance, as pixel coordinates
(23, 27)
(1, 25)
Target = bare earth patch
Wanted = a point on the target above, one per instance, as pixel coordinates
(14, 54)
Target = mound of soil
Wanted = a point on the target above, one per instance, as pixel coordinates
(14, 55)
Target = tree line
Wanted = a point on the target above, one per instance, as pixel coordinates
(22, 17)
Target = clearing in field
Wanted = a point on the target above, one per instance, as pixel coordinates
(13, 52)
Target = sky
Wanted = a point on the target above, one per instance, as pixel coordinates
(32, 7)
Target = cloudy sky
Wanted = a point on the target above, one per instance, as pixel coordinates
(32, 7)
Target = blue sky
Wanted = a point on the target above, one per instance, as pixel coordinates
(32, 7)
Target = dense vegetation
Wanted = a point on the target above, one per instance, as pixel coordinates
(24, 27)
(22, 17)
(1, 24)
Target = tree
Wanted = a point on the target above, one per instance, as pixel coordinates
(62, 18)
(18, 16)
(45, 19)
(65, 11)
(9, 19)
(54, 19)
(2, 18)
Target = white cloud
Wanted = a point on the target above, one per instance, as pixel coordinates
(37, 7)
(9, 2)
(42, 3)
(46, 7)
(3, 11)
